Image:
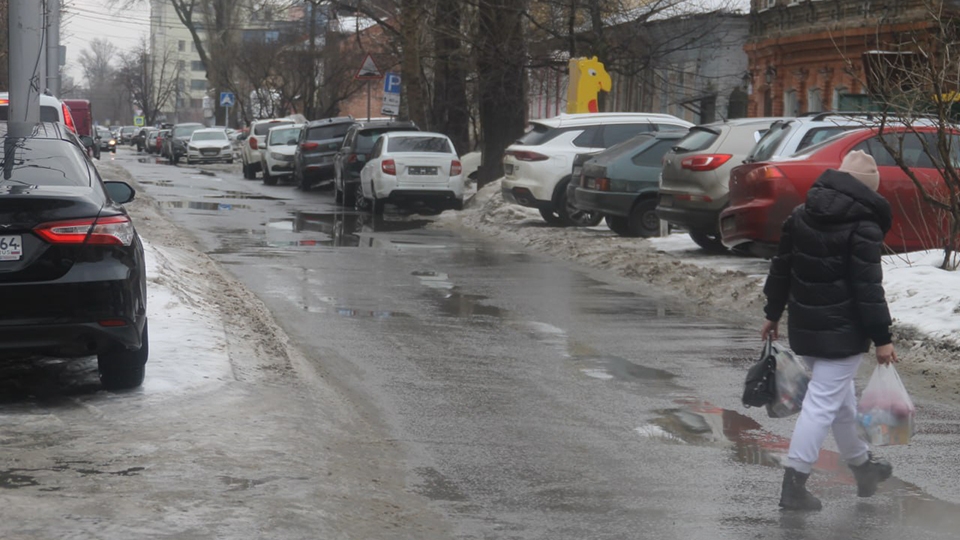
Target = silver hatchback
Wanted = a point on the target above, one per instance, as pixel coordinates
(693, 181)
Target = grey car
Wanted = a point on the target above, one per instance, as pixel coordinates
(176, 142)
(696, 171)
(319, 142)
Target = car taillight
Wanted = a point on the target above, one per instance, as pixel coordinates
(352, 158)
(455, 168)
(689, 197)
(524, 155)
(308, 146)
(68, 118)
(389, 166)
(768, 172)
(599, 184)
(110, 231)
(253, 143)
(705, 162)
(759, 183)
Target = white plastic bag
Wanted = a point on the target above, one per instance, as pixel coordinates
(792, 380)
(885, 412)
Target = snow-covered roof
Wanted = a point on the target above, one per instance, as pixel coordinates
(350, 25)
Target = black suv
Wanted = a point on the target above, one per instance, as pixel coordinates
(177, 140)
(72, 272)
(355, 152)
(319, 142)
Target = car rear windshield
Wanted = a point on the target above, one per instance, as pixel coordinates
(185, 131)
(284, 136)
(538, 134)
(325, 133)
(698, 139)
(368, 137)
(767, 146)
(264, 128)
(209, 136)
(43, 162)
(419, 144)
(47, 113)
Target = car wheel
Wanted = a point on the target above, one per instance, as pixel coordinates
(571, 215)
(551, 217)
(360, 202)
(376, 206)
(457, 204)
(229, 162)
(120, 368)
(176, 159)
(618, 224)
(268, 179)
(708, 241)
(349, 197)
(643, 219)
(248, 172)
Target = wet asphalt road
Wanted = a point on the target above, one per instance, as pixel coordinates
(528, 397)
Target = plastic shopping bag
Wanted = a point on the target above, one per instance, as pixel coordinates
(792, 380)
(885, 412)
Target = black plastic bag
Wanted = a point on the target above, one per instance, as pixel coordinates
(760, 388)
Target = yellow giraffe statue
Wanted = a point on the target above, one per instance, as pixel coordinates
(587, 79)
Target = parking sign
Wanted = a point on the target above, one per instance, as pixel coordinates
(391, 83)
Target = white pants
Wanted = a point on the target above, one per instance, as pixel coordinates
(831, 402)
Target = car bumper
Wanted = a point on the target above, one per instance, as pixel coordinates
(390, 190)
(524, 197)
(528, 192)
(748, 223)
(192, 156)
(700, 219)
(280, 168)
(607, 203)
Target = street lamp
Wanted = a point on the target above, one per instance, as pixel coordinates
(769, 74)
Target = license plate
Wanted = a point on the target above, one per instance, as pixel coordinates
(728, 224)
(209, 152)
(666, 200)
(11, 248)
(422, 171)
(508, 168)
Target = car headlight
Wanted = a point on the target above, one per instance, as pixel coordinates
(113, 141)
(279, 157)
(193, 148)
(227, 147)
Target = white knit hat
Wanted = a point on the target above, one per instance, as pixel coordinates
(861, 166)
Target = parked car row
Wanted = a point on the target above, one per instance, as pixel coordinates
(729, 184)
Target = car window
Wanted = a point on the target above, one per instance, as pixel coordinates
(419, 144)
(283, 136)
(769, 143)
(47, 113)
(326, 132)
(367, 138)
(696, 140)
(185, 131)
(652, 156)
(816, 135)
(588, 139)
(43, 162)
(377, 149)
(348, 140)
(617, 133)
(911, 148)
(875, 148)
(264, 128)
(209, 136)
(538, 134)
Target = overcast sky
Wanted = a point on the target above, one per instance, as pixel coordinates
(89, 19)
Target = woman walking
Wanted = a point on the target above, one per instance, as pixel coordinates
(827, 275)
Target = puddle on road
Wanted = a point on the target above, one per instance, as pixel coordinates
(152, 161)
(615, 367)
(160, 183)
(196, 205)
(368, 313)
(242, 195)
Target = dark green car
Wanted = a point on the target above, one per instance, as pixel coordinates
(622, 183)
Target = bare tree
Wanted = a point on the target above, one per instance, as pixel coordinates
(96, 61)
(151, 80)
(915, 82)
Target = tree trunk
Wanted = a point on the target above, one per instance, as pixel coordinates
(501, 59)
(450, 114)
(411, 15)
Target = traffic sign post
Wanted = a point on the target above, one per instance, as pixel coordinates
(138, 121)
(391, 94)
(368, 72)
(227, 100)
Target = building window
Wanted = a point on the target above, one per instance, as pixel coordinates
(197, 65)
(837, 93)
(181, 45)
(181, 65)
(814, 101)
(790, 104)
(198, 84)
(271, 36)
(196, 103)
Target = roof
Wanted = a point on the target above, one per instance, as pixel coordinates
(586, 119)
(394, 134)
(748, 121)
(43, 130)
(363, 124)
(334, 120)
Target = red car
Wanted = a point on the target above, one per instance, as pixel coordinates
(762, 195)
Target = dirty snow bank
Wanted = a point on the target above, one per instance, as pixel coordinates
(924, 301)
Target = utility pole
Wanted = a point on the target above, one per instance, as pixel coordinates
(25, 46)
(53, 46)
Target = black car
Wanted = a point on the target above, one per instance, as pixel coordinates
(319, 142)
(355, 152)
(176, 142)
(72, 272)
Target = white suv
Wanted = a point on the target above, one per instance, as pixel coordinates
(538, 166)
(256, 138)
(791, 135)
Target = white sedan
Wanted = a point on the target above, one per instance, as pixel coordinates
(409, 167)
(276, 159)
(209, 145)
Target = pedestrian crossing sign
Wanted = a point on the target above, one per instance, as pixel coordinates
(368, 70)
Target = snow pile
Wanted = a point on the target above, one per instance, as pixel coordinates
(923, 296)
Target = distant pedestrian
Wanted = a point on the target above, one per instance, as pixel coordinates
(827, 275)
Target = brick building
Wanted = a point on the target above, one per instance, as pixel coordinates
(807, 55)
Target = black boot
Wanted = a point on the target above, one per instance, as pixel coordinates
(794, 495)
(870, 474)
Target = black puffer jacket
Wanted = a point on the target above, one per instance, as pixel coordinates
(828, 269)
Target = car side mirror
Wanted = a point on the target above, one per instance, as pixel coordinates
(120, 192)
(242, 137)
(87, 140)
